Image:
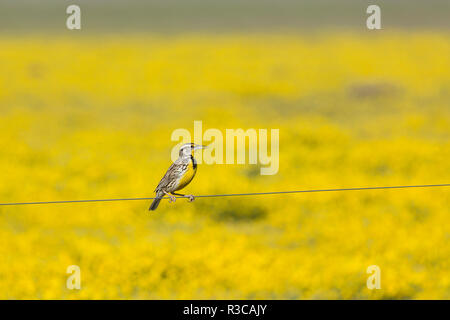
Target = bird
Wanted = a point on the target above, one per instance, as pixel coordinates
(178, 176)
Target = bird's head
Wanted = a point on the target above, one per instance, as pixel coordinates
(188, 149)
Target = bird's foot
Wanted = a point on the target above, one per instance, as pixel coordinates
(190, 197)
(172, 198)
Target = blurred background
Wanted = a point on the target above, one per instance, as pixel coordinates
(180, 16)
(89, 113)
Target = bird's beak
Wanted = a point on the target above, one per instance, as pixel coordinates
(197, 147)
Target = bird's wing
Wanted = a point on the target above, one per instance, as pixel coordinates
(172, 176)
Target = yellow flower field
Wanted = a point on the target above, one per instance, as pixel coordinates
(88, 117)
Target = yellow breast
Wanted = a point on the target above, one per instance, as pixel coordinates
(188, 176)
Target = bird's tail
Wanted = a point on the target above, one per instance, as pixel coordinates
(155, 202)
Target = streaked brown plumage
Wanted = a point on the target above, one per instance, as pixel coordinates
(179, 175)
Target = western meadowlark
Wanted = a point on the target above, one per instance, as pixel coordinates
(178, 176)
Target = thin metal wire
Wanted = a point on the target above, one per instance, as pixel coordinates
(229, 194)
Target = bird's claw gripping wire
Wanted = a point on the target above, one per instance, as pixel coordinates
(190, 197)
(171, 197)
